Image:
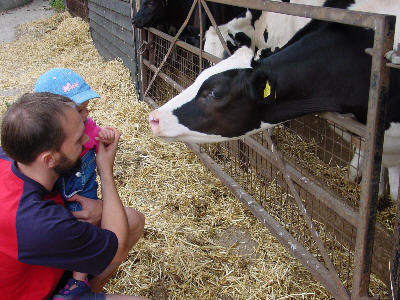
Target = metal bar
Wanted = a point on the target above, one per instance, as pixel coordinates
(136, 82)
(150, 48)
(166, 78)
(201, 37)
(143, 56)
(151, 102)
(349, 17)
(185, 46)
(318, 270)
(210, 16)
(170, 47)
(370, 51)
(394, 66)
(346, 122)
(378, 95)
(395, 262)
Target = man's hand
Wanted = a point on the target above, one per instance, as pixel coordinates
(106, 136)
(91, 209)
(106, 154)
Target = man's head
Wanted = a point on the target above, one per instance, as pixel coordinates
(40, 123)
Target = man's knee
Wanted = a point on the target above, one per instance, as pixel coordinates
(136, 221)
(135, 218)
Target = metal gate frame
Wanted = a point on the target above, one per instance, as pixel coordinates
(365, 219)
(136, 50)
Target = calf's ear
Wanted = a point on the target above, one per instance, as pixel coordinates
(258, 81)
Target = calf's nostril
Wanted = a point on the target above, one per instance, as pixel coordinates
(154, 122)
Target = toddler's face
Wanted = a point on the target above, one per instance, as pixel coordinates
(83, 110)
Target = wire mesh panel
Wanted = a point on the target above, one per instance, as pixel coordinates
(265, 182)
(182, 66)
(160, 90)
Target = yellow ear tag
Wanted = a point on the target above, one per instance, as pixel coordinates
(267, 90)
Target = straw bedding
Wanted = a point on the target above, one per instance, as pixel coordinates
(199, 241)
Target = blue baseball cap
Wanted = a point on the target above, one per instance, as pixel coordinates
(67, 83)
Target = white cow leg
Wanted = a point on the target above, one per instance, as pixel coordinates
(355, 171)
(382, 184)
(393, 57)
(394, 175)
(355, 166)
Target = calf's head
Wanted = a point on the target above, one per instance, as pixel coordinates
(150, 14)
(223, 103)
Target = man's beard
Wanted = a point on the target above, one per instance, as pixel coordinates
(67, 167)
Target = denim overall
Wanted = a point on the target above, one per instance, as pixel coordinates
(82, 183)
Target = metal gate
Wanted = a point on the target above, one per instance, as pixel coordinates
(324, 221)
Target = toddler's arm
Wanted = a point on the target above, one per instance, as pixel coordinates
(106, 136)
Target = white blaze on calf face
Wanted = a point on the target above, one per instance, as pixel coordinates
(166, 125)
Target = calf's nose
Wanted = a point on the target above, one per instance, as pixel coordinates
(154, 122)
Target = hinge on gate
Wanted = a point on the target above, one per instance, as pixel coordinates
(143, 47)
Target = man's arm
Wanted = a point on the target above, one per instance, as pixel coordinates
(113, 215)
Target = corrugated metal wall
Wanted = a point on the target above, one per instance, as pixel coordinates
(111, 30)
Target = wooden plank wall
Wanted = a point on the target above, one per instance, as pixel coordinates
(111, 30)
(77, 8)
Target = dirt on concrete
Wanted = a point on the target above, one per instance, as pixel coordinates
(10, 19)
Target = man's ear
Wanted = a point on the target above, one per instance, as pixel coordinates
(48, 158)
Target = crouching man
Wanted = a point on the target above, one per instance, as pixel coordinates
(42, 135)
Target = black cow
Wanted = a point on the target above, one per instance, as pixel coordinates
(162, 14)
(169, 15)
(325, 69)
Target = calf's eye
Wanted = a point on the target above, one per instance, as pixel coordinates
(215, 95)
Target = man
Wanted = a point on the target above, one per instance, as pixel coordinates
(42, 135)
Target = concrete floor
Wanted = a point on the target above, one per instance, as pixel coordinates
(38, 9)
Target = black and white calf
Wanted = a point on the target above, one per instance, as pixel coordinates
(265, 30)
(325, 70)
(239, 31)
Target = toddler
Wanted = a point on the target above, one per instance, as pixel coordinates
(68, 83)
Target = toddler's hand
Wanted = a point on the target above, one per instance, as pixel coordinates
(106, 136)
